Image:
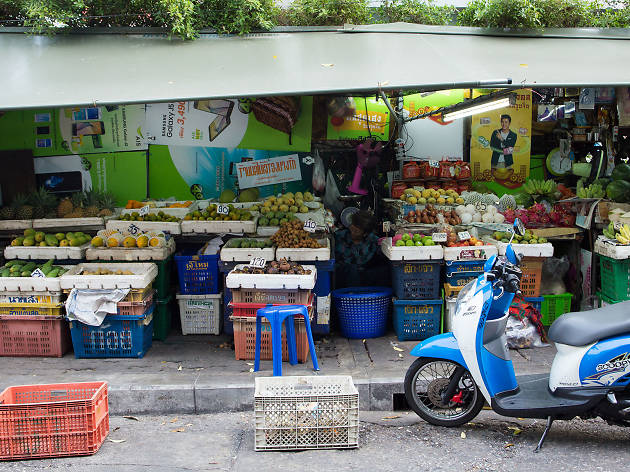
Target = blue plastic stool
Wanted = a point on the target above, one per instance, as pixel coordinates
(276, 316)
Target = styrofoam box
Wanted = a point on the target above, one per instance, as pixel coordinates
(10, 225)
(31, 297)
(470, 253)
(527, 250)
(172, 227)
(31, 284)
(305, 254)
(267, 230)
(237, 254)
(144, 274)
(411, 253)
(609, 248)
(75, 223)
(162, 207)
(272, 281)
(216, 227)
(48, 252)
(130, 254)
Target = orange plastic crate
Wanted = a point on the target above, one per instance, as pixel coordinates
(126, 308)
(245, 339)
(39, 421)
(532, 275)
(30, 336)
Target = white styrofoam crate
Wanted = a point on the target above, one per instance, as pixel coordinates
(305, 254)
(470, 253)
(11, 225)
(272, 281)
(526, 250)
(611, 248)
(30, 284)
(162, 207)
(267, 230)
(217, 227)
(47, 252)
(306, 412)
(130, 254)
(411, 253)
(74, 223)
(200, 314)
(144, 274)
(237, 254)
(172, 227)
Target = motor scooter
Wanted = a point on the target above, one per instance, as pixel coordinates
(456, 373)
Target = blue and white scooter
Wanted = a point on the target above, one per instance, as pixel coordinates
(456, 373)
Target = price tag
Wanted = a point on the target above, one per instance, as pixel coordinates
(439, 237)
(310, 225)
(223, 209)
(144, 210)
(258, 262)
(463, 235)
(133, 229)
(434, 164)
(37, 273)
(480, 206)
(617, 225)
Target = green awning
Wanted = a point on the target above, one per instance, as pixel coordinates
(86, 68)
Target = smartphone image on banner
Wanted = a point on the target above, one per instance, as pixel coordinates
(43, 143)
(218, 107)
(42, 117)
(88, 128)
(217, 126)
(42, 130)
(59, 182)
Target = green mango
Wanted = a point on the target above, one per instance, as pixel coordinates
(6, 273)
(60, 236)
(52, 240)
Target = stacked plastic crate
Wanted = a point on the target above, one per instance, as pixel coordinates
(416, 284)
(129, 332)
(253, 291)
(199, 296)
(614, 266)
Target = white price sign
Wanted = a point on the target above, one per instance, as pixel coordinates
(434, 164)
(439, 237)
(310, 225)
(617, 225)
(463, 235)
(144, 210)
(258, 262)
(480, 206)
(37, 273)
(223, 209)
(133, 229)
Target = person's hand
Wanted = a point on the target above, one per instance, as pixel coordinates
(498, 135)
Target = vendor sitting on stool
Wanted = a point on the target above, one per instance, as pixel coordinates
(355, 248)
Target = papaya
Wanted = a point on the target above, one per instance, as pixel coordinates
(621, 172)
(52, 240)
(39, 236)
(29, 232)
(618, 190)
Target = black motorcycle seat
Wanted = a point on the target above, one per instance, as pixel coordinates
(585, 327)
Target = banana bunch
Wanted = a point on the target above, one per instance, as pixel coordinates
(540, 187)
(609, 231)
(623, 235)
(592, 191)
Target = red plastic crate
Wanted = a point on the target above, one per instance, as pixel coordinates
(30, 336)
(39, 421)
(126, 308)
(250, 309)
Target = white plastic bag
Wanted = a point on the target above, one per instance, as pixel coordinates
(319, 174)
(522, 334)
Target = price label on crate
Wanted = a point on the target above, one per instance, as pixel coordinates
(223, 209)
(144, 210)
(434, 164)
(310, 226)
(37, 273)
(481, 206)
(463, 235)
(439, 237)
(258, 262)
(133, 229)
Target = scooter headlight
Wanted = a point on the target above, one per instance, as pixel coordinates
(465, 292)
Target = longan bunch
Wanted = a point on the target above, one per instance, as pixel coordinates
(292, 234)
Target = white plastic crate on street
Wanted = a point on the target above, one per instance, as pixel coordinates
(314, 412)
(200, 314)
(272, 281)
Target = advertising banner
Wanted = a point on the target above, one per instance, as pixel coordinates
(371, 119)
(500, 144)
(268, 171)
(272, 124)
(432, 138)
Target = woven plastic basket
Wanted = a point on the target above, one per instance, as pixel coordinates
(363, 311)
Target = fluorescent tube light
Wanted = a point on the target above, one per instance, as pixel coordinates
(480, 108)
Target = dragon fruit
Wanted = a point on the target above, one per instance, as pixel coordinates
(555, 217)
(544, 219)
(523, 216)
(510, 215)
(568, 219)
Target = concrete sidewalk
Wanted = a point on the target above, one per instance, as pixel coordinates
(198, 374)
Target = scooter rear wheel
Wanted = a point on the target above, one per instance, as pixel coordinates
(427, 378)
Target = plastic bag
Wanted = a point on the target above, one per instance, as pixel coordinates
(553, 272)
(319, 174)
(521, 334)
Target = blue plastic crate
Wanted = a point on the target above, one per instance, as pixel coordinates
(451, 267)
(118, 336)
(362, 311)
(198, 274)
(415, 320)
(459, 279)
(418, 280)
(536, 302)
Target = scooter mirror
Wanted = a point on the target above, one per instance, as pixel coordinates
(511, 255)
(519, 227)
(487, 267)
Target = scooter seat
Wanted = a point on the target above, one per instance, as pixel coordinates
(585, 327)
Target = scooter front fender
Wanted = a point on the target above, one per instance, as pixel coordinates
(442, 346)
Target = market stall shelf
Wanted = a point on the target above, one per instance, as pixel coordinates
(87, 223)
(305, 254)
(45, 253)
(133, 227)
(11, 225)
(143, 275)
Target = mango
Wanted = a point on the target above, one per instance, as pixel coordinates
(60, 236)
(29, 241)
(29, 232)
(39, 236)
(76, 242)
(64, 243)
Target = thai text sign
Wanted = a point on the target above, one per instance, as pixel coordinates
(268, 171)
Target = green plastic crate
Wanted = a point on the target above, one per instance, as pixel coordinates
(604, 300)
(162, 282)
(554, 306)
(615, 276)
(162, 319)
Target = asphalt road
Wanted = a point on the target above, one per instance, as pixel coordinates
(398, 441)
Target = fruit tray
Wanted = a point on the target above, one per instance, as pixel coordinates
(11, 225)
(612, 249)
(172, 227)
(144, 274)
(130, 254)
(470, 253)
(48, 252)
(215, 227)
(240, 254)
(305, 254)
(526, 250)
(74, 223)
(272, 281)
(162, 207)
(411, 253)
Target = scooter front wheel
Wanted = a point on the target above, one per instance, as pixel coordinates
(427, 379)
